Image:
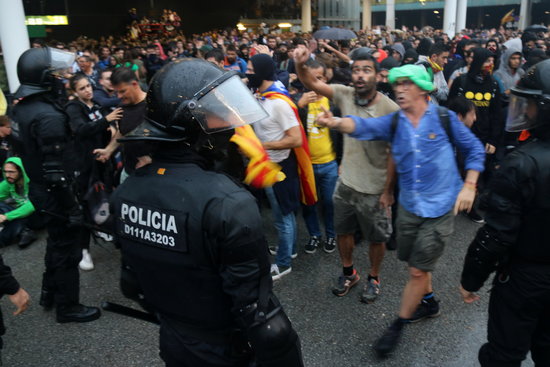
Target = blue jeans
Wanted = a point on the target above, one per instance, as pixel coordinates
(326, 175)
(12, 228)
(286, 228)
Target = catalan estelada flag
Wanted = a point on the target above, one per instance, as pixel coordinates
(509, 17)
(308, 191)
(260, 172)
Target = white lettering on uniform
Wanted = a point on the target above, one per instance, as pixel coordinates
(133, 214)
(141, 220)
(124, 210)
(155, 220)
(149, 218)
(171, 227)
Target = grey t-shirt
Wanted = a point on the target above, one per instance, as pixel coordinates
(364, 163)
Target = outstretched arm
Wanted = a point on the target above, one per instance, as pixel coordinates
(301, 55)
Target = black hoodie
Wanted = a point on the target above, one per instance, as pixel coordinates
(484, 91)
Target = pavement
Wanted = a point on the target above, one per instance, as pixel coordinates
(334, 331)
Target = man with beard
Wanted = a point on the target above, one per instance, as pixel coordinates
(430, 187)
(364, 192)
(232, 61)
(15, 205)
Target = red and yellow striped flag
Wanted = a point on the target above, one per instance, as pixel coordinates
(308, 191)
(260, 172)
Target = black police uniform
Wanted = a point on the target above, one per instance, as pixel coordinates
(195, 242)
(516, 242)
(192, 241)
(44, 133)
(45, 140)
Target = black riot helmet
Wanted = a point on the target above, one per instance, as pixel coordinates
(530, 99)
(37, 67)
(191, 96)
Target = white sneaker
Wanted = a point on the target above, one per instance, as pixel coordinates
(86, 263)
(277, 273)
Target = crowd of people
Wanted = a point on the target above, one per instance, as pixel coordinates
(427, 134)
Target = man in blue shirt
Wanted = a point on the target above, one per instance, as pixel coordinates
(431, 189)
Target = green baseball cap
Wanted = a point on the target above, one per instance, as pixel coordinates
(416, 73)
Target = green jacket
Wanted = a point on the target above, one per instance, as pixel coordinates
(23, 206)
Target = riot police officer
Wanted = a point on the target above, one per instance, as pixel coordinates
(192, 243)
(45, 140)
(516, 239)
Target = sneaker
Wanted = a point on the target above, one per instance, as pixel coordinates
(425, 310)
(86, 263)
(311, 246)
(387, 342)
(277, 272)
(345, 283)
(474, 216)
(330, 245)
(371, 291)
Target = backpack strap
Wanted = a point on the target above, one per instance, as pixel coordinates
(444, 120)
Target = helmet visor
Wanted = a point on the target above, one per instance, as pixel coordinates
(227, 106)
(60, 60)
(518, 115)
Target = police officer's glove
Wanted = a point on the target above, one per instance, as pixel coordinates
(76, 217)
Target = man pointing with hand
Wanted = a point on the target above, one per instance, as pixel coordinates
(431, 190)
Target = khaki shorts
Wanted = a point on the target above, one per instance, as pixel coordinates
(421, 241)
(354, 210)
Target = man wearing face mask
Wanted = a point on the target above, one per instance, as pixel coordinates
(364, 191)
(479, 86)
(279, 134)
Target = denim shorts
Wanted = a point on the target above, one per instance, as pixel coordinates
(355, 210)
(421, 241)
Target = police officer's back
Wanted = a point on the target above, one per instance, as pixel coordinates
(516, 239)
(193, 238)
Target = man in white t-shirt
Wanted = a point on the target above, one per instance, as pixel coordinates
(364, 191)
(279, 133)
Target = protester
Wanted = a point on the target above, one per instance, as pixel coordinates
(89, 128)
(364, 192)
(133, 104)
(15, 206)
(279, 134)
(325, 147)
(105, 95)
(431, 190)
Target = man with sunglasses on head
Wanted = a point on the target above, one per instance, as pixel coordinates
(431, 189)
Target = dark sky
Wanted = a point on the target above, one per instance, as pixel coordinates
(94, 18)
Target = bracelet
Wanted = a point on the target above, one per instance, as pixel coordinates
(470, 183)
